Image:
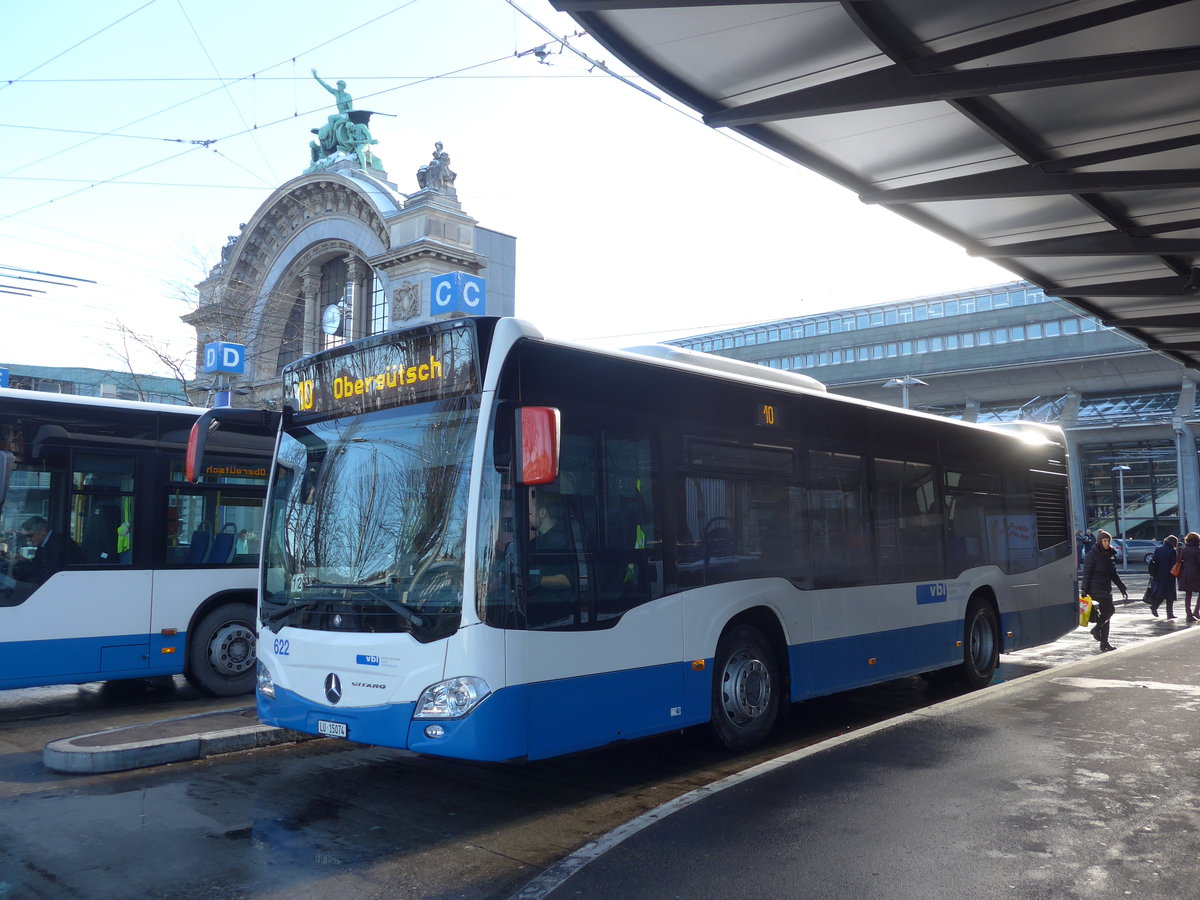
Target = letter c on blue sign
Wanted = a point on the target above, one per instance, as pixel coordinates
(471, 293)
(444, 292)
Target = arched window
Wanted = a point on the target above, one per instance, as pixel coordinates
(335, 294)
(291, 345)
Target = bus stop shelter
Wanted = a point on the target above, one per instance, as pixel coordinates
(1060, 139)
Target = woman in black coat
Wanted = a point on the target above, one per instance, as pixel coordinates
(1099, 575)
(1163, 583)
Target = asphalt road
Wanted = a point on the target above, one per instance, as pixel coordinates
(324, 818)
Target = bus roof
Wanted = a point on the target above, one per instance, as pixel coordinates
(101, 402)
(727, 366)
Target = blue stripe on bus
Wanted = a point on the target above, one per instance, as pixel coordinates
(555, 717)
(494, 732)
(825, 667)
(80, 660)
(562, 716)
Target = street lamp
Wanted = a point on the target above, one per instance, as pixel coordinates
(1121, 470)
(904, 384)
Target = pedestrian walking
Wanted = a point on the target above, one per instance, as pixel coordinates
(1099, 575)
(1189, 573)
(1162, 582)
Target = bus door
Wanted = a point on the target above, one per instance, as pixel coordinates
(601, 661)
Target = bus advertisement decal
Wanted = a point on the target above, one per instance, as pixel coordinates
(932, 593)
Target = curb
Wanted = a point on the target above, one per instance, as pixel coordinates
(97, 753)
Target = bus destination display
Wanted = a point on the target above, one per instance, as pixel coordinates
(406, 369)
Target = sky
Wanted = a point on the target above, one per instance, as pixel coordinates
(139, 134)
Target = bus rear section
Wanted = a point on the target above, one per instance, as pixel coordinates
(517, 549)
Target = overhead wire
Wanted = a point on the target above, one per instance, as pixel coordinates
(10, 82)
(225, 85)
(221, 86)
(249, 129)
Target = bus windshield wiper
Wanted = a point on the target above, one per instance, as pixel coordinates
(290, 607)
(404, 612)
(343, 593)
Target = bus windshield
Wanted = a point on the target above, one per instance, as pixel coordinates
(368, 522)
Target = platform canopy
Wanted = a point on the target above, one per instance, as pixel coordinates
(1060, 138)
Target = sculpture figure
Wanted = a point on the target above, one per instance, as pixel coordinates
(343, 100)
(344, 134)
(437, 175)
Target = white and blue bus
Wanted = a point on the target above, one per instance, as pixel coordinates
(486, 545)
(113, 565)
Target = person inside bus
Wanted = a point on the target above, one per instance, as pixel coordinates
(52, 551)
(550, 586)
(1099, 575)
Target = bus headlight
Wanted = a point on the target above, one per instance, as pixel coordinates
(266, 686)
(452, 698)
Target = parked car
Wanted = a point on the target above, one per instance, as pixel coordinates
(1138, 548)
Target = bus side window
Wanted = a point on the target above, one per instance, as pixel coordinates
(216, 527)
(629, 563)
(553, 581)
(102, 497)
(842, 556)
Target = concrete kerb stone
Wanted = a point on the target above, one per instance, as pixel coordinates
(77, 756)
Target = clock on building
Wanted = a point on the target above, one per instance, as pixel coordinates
(331, 319)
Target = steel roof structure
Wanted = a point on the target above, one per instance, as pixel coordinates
(1059, 138)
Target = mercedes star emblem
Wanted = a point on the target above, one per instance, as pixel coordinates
(333, 688)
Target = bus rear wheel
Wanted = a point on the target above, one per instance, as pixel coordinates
(221, 651)
(745, 691)
(981, 644)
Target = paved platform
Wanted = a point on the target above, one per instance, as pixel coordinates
(173, 740)
(1082, 780)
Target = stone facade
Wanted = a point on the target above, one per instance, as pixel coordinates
(346, 239)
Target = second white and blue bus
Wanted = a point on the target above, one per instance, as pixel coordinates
(487, 545)
(112, 565)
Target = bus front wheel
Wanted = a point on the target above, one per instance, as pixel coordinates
(745, 691)
(221, 651)
(981, 644)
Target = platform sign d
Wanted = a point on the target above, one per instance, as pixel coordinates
(458, 292)
(224, 358)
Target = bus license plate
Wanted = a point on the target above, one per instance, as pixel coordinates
(331, 729)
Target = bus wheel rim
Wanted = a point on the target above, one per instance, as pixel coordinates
(982, 643)
(231, 650)
(745, 688)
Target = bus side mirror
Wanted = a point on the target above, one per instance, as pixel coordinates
(193, 460)
(260, 422)
(537, 445)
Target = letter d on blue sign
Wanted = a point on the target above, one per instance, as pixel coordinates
(221, 357)
(458, 292)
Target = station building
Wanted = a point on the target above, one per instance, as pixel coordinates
(1010, 353)
(338, 253)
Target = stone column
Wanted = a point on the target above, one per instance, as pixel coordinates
(312, 314)
(354, 327)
